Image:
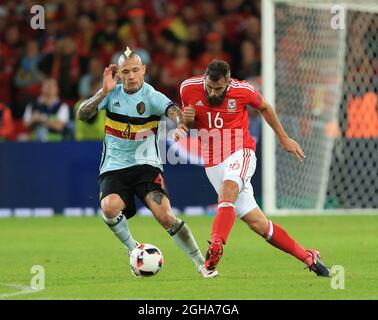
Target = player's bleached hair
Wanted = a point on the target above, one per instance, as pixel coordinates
(217, 69)
(128, 54)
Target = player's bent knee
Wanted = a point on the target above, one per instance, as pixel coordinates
(229, 190)
(111, 205)
(233, 182)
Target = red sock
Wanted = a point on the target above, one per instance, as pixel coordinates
(280, 239)
(223, 222)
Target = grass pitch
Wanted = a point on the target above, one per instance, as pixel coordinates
(82, 259)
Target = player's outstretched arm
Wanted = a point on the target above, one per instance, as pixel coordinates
(88, 108)
(288, 144)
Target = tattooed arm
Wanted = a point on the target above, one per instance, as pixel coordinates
(88, 108)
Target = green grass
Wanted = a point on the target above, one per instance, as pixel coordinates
(83, 260)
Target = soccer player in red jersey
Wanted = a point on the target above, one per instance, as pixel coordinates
(216, 105)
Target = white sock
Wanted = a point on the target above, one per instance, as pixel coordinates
(184, 238)
(120, 228)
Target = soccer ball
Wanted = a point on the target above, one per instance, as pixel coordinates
(146, 260)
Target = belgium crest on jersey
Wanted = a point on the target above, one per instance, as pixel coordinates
(141, 108)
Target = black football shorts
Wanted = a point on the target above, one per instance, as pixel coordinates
(131, 182)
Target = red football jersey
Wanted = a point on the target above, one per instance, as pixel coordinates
(222, 129)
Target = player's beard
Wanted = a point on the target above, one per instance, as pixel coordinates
(215, 100)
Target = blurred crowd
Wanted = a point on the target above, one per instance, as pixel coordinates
(45, 74)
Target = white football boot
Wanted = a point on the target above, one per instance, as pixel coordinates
(208, 273)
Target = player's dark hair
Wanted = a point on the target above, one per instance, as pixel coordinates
(217, 69)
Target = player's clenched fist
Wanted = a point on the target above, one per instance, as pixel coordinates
(189, 114)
